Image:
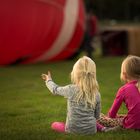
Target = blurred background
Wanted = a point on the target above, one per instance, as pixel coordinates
(35, 31)
(117, 10)
(118, 26)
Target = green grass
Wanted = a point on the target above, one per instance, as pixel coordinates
(27, 108)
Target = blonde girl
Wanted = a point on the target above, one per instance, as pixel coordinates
(83, 98)
(129, 94)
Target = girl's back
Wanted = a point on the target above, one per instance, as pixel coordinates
(132, 101)
(82, 119)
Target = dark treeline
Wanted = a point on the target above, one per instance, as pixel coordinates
(115, 9)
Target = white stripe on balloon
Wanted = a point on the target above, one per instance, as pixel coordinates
(71, 11)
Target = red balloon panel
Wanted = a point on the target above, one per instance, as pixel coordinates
(39, 30)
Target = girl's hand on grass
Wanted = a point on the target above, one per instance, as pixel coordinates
(46, 77)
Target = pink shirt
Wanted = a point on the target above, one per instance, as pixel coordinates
(130, 95)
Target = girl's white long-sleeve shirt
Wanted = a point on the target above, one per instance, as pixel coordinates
(80, 119)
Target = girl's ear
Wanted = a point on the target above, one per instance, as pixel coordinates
(124, 76)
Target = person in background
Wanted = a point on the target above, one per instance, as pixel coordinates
(90, 33)
(91, 30)
(83, 99)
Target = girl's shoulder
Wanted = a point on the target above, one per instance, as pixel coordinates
(73, 86)
(128, 85)
(98, 96)
(122, 88)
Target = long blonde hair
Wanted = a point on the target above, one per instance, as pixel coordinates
(131, 66)
(84, 76)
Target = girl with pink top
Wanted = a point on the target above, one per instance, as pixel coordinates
(129, 94)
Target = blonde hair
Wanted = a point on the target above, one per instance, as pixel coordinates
(84, 76)
(131, 66)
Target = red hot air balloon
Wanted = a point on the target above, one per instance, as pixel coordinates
(40, 30)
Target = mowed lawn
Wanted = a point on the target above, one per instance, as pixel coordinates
(27, 108)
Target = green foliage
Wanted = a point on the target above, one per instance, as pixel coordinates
(27, 108)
